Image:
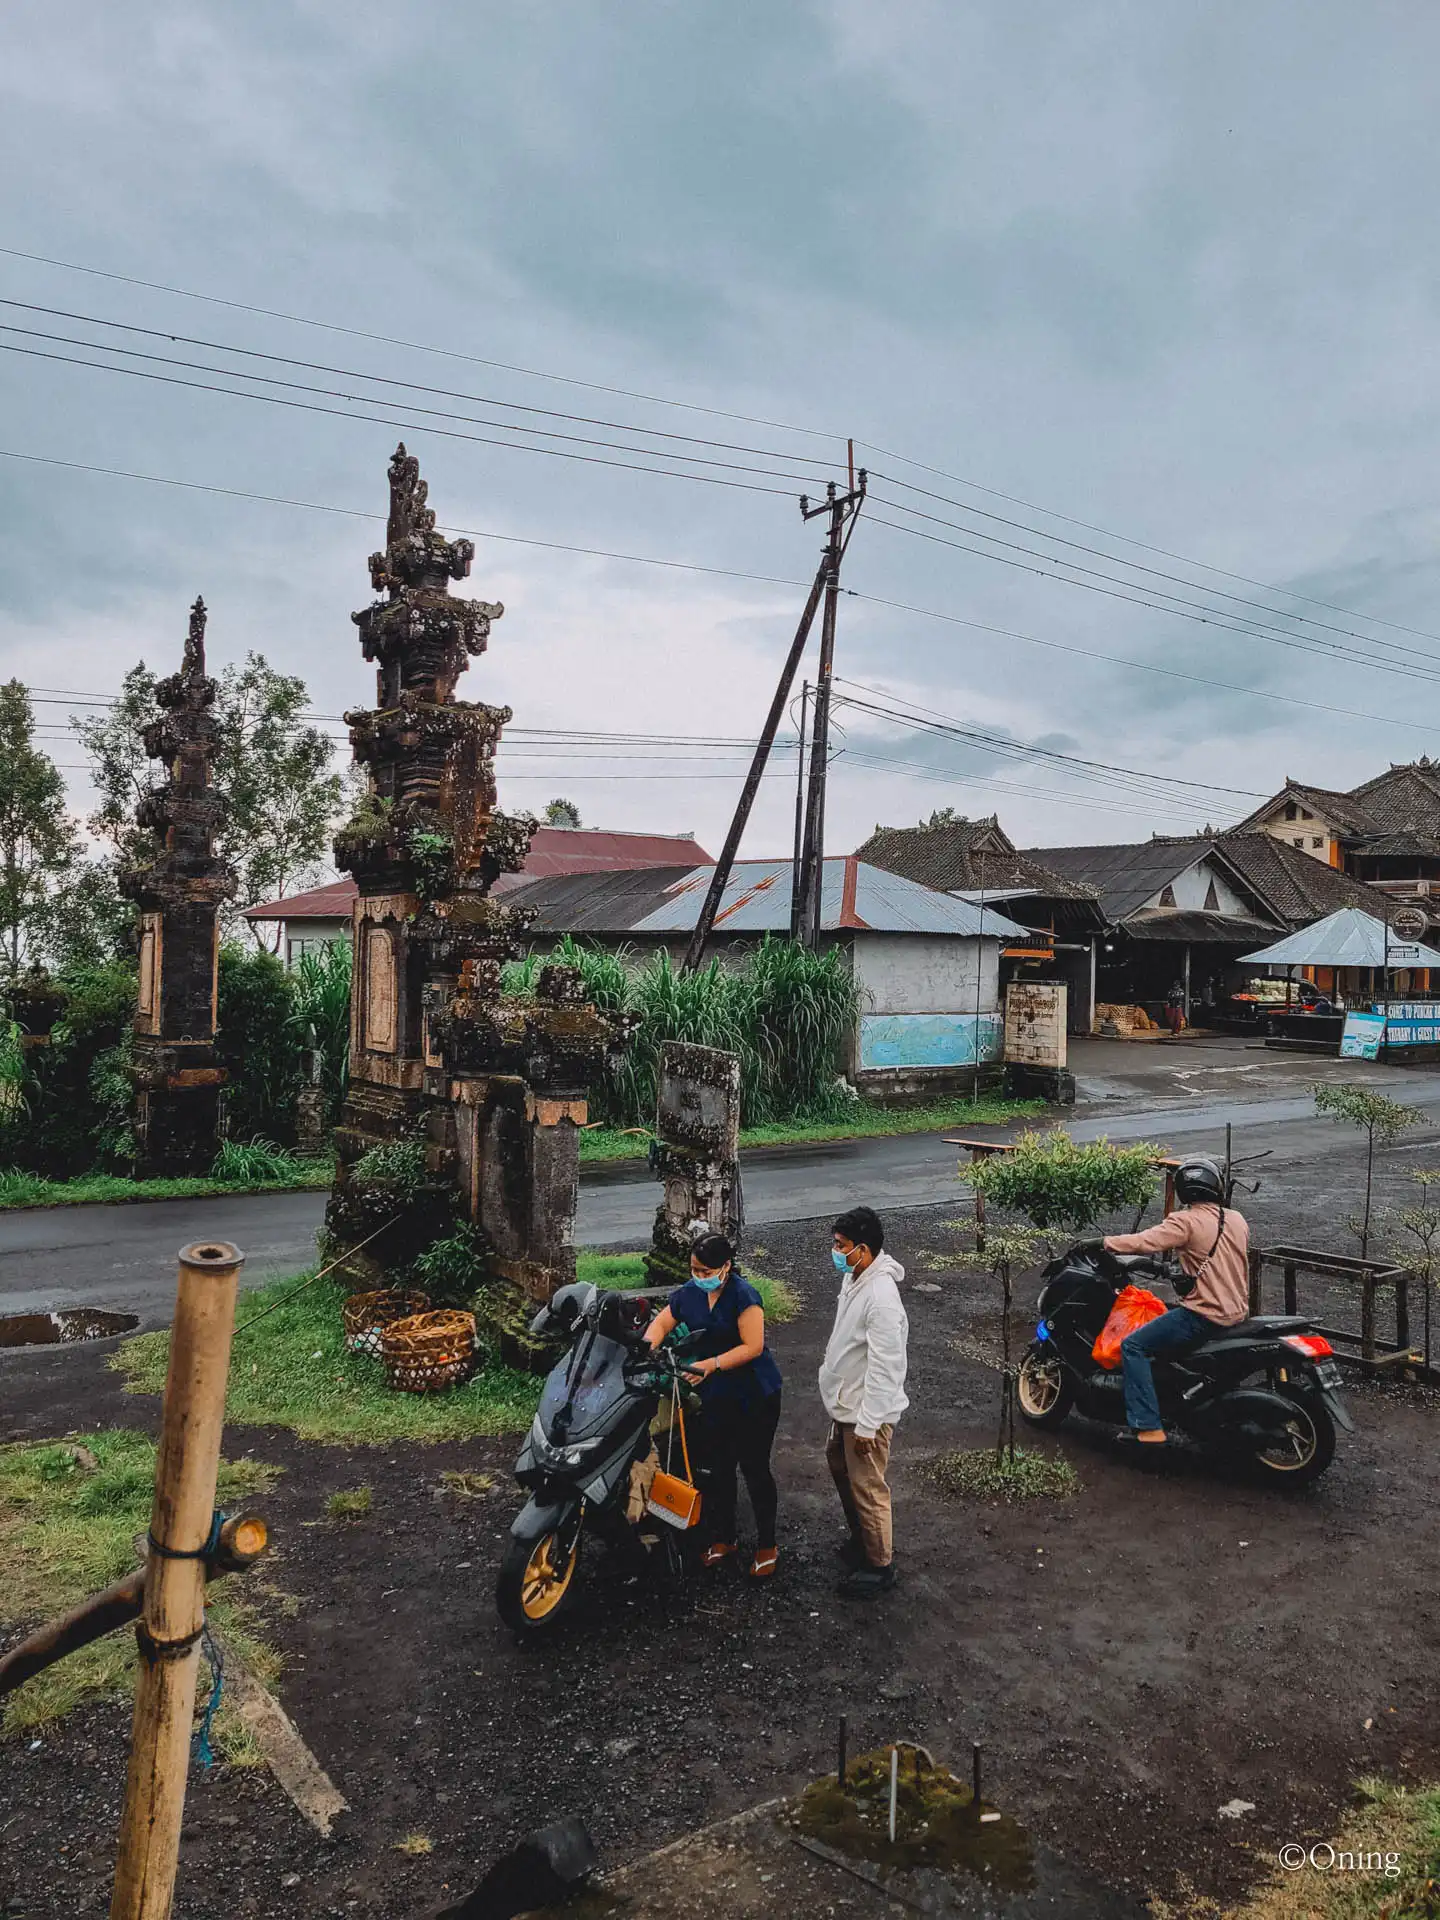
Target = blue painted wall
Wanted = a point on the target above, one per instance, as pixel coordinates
(890, 1040)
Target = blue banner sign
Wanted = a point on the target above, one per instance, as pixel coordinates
(1411, 1023)
(890, 1040)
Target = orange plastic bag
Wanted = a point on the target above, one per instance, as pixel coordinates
(1133, 1307)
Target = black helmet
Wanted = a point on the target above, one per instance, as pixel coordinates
(1198, 1179)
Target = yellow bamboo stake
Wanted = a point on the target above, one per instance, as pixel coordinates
(186, 1467)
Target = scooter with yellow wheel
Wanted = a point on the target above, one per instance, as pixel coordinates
(589, 1461)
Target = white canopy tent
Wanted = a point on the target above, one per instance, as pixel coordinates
(1349, 938)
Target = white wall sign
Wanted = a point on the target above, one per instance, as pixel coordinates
(1035, 1023)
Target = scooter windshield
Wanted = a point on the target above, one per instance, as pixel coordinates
(589, 1381)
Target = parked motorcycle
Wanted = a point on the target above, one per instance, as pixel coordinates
(591, 1429)
(1263, 1393)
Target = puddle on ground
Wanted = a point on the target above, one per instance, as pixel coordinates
(936, 1824)
(59, 1329)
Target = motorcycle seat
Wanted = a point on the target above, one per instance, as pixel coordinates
(1265, 1326)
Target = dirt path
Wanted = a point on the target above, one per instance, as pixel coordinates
(1132, 1659)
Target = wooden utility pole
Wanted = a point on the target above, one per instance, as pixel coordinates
(805, 905)
(841, 508)
(172, 1619)
(799, 801)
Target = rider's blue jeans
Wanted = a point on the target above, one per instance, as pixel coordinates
(1169, 1332)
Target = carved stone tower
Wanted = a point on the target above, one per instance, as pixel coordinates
(179, 893)
(495, 1087)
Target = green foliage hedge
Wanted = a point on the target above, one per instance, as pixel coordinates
(1057, 1182)
(787, 1012)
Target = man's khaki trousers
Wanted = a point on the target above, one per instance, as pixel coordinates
(860, 1481)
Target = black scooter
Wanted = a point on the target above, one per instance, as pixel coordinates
(592, 1426)
(1262, 1393)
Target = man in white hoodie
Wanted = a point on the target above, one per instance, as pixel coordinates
(862, 1382)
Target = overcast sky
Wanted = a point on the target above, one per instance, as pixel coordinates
(1168, 270)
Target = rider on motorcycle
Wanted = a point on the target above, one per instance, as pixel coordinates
(1213, 1242)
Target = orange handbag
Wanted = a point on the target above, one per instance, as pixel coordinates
(1133, 1307)
(671, 1499)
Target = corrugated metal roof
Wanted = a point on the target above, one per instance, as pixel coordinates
(1195, 927)
(1126, 876)
(553, 851)
(756, 900)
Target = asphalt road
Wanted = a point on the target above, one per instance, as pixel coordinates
(123, 1257)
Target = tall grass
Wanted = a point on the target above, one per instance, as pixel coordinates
(785, 1011)
(320, 984)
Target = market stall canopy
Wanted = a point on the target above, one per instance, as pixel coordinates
(1349, 938)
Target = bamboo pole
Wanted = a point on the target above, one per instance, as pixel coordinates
(186, 1467)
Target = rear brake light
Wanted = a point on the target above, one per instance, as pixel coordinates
(1313, 1345)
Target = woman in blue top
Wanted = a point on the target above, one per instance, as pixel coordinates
(739, 1386)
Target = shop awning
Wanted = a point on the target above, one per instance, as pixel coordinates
(1349, 938)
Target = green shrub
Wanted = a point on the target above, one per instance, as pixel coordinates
(320, 985)
(253, 1163)
(786, 1012)
(397, 1164)
(258, 1045)
(77, 1093)
(452, 1270)
(1057, 1182)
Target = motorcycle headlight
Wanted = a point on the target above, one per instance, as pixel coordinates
(570, 1455)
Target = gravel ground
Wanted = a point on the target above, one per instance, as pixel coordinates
(1133, 1658)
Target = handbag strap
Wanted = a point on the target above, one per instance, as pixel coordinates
(684, 1448)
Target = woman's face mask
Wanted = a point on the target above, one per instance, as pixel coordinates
(709, 1282)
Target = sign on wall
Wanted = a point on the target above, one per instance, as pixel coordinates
(1411, 1023)
(1362, 1036)
(897, 1040)
(1035, 1023)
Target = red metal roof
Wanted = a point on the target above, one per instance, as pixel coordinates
(553, 852)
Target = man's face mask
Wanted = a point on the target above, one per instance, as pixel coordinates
(841, 1260)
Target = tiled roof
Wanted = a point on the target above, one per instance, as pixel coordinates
(966, 854)
(554, 850)
(1294, 887)
(1343, 810)
(854, 896)
(1404, 799)
(1124, 876)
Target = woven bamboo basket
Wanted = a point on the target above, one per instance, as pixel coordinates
(428, 1351)
(365, 1316)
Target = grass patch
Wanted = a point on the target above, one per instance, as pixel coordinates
(866, 1119)
(113, 1189)
(415, 1844)
(67, 1529)
(619, 1272)
(977, 1473)
(1389, 1827)
(351, 1504)
(293, 1369)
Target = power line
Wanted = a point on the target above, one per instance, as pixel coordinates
(417, 346)
(1135, 566)
(367, 399)
(1119, 660)
(1222, 623)
(721, 413)
(364, 513)
(729, 573)
(378, 379)
(386, 420)
(1145, 546)
(930, 720)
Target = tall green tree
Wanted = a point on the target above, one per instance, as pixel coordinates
(38, 842)
(562, 813)
(276, 771)
(280, 779)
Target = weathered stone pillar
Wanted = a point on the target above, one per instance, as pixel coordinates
(179, 893)
(696, 1154)
(494, 1086)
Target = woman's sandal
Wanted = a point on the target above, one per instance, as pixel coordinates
(715, 1553)
(764, 1563)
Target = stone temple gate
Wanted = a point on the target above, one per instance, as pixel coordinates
(495, 1086)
